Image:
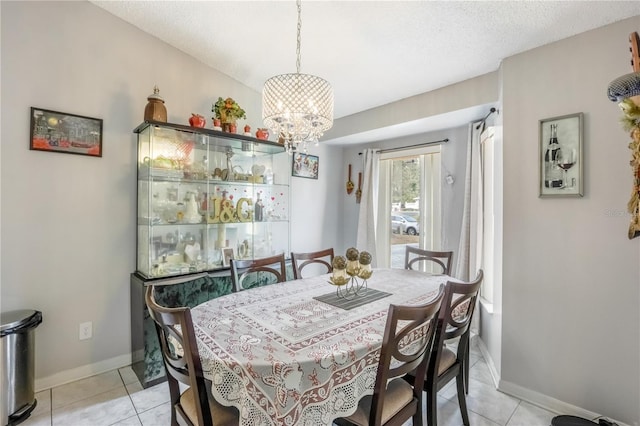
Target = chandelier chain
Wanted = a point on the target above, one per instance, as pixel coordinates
(299, 4)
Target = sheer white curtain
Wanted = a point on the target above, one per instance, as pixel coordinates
(470, 249)
(368, 214)
(471, 239)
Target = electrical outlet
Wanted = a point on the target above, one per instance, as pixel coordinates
(86, 330)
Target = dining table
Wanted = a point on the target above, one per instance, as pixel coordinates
(294, 353)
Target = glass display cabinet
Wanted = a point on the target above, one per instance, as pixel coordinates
(206, 196)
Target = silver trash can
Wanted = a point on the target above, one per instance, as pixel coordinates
(17, 365)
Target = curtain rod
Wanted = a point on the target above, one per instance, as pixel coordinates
(491, 111)
(412, 146)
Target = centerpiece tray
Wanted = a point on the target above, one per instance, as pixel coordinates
(364, 296)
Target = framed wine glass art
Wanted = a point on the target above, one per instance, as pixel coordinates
(560, 165)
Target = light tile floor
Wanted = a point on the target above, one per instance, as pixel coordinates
(117, 398)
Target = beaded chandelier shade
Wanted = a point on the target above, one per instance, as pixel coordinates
(297, 107)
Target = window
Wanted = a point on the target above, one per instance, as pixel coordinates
(409, 203)
(492, 215)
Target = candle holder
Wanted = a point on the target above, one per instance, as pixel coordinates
(350, 274)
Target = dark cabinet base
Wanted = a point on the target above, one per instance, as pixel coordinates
(186, 291)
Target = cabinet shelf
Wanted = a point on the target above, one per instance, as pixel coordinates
(145, 177)
(145, 222)
(222, 140)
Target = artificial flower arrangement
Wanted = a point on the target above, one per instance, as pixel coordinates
(228, 110)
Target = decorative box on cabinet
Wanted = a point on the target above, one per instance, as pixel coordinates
(204, 196)
(189, 291)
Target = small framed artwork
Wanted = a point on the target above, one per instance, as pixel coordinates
(227, 255)
(304, 165)
(55, 131)
(561, 165)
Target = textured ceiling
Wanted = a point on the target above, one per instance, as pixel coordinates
(372, 52)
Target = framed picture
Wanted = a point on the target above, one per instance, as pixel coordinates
(304, 165)
(62, 132)
(227, 255)
(561, 164)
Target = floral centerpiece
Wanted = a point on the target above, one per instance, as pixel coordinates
(228, 112)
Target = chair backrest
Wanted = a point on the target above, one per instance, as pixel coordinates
(323, 258)
(458, 305)
(258, 272)
(406, 346)
(180, 355)
(413, 256)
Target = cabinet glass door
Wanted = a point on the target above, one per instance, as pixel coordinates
(204, 198)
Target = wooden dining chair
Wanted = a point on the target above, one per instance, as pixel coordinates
(246, 274)
(406, 346)
(195, 406)
(323, 259)
(414, 256)
(444, 365)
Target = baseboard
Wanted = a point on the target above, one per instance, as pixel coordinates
(548, 403)
(83, 372)
(492, 367)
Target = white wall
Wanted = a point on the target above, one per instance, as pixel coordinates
(571, 277)
(68, 222)
(457, 97)
(316, 204)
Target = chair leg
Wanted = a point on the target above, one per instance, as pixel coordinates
(432, 408)
(174, 416)
(462, 401)
(417, 417)
(466, 371)
(464, 345)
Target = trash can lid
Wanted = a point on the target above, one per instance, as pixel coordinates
(566, 420)
(14, 319)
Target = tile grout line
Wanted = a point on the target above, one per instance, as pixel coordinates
(488, 419)
(51, 406)
(453, 399)
(514, 412)
(84, 398)
(130, 399)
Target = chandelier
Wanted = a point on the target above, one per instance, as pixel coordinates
(297, 107)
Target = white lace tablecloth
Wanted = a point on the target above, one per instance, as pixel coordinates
(284, 358)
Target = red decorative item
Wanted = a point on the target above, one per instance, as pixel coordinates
(262, 134)
(196, 120)
(247, 128)
(233, 128)
(216, 122)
